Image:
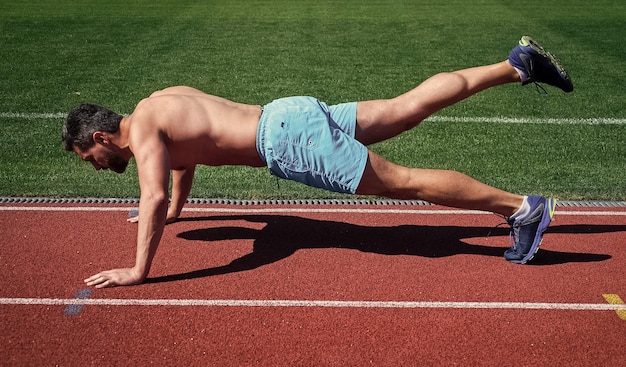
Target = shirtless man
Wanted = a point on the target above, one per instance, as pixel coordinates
(302, 139)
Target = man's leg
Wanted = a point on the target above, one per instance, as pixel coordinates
(449, 188)
(528, 216)
(379, 120)
(528, 62)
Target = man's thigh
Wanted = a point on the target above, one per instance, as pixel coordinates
(383, 178)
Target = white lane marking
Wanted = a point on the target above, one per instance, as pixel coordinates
(313, 303)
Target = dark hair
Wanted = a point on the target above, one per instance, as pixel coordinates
(85, 120)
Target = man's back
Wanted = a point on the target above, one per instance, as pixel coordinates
(197, 128)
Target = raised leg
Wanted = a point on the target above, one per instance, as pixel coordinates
(378, 120)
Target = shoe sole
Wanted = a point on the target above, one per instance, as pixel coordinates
(528, 41)
(546, 218)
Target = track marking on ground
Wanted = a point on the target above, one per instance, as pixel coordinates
(620, 307)
(614, 299)
(478, 119)
(302, 210)
(74, 309)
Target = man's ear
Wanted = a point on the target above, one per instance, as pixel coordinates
(100, 138)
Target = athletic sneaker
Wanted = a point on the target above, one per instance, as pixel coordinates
(539, 65)
(527, 232)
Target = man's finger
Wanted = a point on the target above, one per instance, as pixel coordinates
(95, 280)
(92, 278)
(106, 283)
(133, 216)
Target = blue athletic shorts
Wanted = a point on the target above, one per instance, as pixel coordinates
(304, 140)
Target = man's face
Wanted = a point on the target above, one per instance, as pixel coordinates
(102, 157)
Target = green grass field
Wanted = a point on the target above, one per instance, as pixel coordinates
(56, 55)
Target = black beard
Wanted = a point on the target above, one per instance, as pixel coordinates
(115, 162)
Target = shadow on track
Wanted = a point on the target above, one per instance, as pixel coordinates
(284, 235)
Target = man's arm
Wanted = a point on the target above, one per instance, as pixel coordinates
(153, 167)
(182, 181)
(153, 181)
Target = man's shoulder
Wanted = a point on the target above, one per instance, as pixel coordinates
(179, 90)
(146, 118)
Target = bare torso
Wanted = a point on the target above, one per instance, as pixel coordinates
(199, 128)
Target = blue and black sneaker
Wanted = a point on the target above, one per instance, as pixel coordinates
(527, 231)
(539, 65)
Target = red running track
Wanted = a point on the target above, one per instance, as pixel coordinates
(379, 285)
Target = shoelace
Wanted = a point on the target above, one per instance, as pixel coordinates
(506, 222)
(511, 233)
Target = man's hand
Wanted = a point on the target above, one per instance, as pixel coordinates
(115, 277)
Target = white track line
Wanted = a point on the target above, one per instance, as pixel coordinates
(314, 303)
(298, 210)
(499, 120)
(522, 120)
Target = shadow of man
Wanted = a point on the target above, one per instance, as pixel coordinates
(284, 235)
